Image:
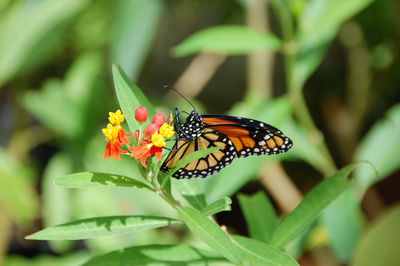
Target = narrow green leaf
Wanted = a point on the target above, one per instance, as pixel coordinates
(91, 179)
(129, 97)
(227, 39)
(344, 222)
(380, 244)
(209, 232)
(189, 158)
(158, 255)
(259, 214)
(254, 252)
(380, 147)
(101, 226)
(133, 30)
(311, 206)
(217, 206)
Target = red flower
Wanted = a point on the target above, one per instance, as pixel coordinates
(141, 114)
(151, 129)
(158, 119)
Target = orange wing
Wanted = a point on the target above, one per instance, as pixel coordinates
(249, 134)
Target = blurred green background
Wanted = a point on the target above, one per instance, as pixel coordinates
(341, 57)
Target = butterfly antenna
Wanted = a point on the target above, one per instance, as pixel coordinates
(180, 94)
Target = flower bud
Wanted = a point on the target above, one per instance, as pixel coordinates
(158, 119)
(151, 129)
(141, 114)
(136, 135)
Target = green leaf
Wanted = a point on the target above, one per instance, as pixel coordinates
(191, 190)
(311, 206)
(344, 223)
(209, 232)
(318, 26)
(90, 179)
(56, 200)
(30, 32)
(69, 99)
(380, 244)
(217, 206)
(133, 30)
(158, 255)
(17, 194)
(75, 258)
(227, 39)
(380, 146)
(254, 252)
(129, 97)
(101, 226)
(259, 214)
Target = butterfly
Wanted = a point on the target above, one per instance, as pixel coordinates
(237, 137)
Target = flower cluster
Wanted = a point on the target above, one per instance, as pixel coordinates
(150, 142)
(115, 135)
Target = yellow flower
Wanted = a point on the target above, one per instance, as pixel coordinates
(116, 118)
(111, 132)
(158, 140)
(167, 130)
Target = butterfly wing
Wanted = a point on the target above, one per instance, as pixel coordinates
(250, 137)
(205, 166)
(237, 137)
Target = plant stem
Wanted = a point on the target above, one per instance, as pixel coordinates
(295, 91)
(168, 198)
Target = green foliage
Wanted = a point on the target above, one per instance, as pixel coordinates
(70, 99)
(343, 221)
(217, 206)
(209, 232)
(379, 147)
(56, 200)
(379, 246)
(101, 226)
(28, 38)
(133, 31)
(17, 195)
(260, 216)
(311, 206)
(318, 26)
(88, 179)
(33, 32)
(159, 254)
(129, 97)
(254, 252)
(229, 39)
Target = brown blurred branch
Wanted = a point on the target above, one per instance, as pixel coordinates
(259, 64)
(281, 188)
(198, 74)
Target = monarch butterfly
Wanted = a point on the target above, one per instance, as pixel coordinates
(238, 137)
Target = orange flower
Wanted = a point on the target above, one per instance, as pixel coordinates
(115, 136)
(146, 149)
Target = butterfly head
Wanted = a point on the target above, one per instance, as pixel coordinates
(192, 126)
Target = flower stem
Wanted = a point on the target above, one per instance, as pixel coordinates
(299, 106)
